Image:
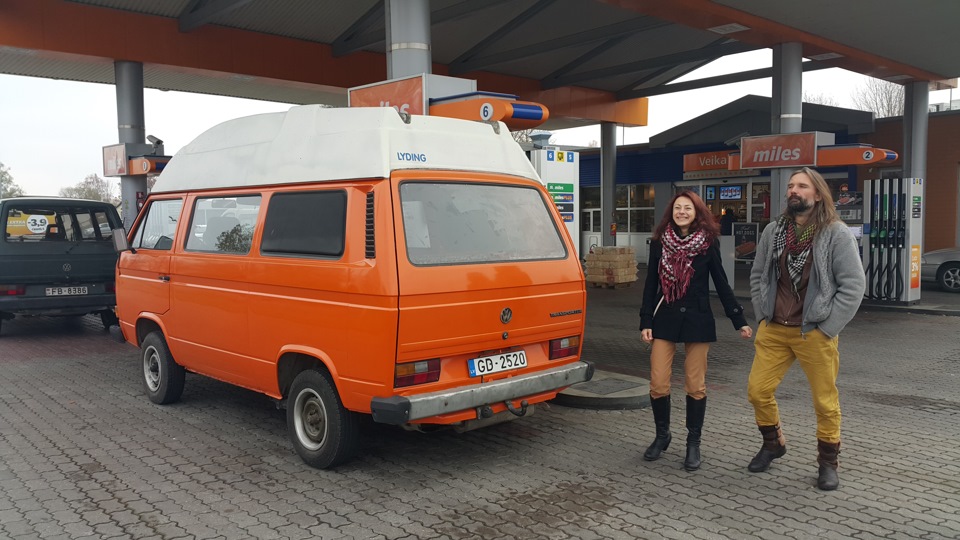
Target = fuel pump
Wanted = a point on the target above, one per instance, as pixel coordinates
(895, 220)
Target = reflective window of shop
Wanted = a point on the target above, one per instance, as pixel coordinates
(590, 209)
(635, 208)
(760, 204)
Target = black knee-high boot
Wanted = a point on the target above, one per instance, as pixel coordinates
(696, 410)
(661, 418)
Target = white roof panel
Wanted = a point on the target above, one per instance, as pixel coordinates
(311, 143)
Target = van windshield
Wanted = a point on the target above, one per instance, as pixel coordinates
(464, 223)
(55, 223)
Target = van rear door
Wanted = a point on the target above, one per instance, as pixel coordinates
(487, 271)
(57, 255)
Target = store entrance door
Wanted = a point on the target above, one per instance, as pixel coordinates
(728, 200)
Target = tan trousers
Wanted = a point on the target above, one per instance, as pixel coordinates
(777, 346)
(694, 367)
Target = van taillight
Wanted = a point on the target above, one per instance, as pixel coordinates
(417, 373)
(560, 348)
(112, 287)
(12, 290)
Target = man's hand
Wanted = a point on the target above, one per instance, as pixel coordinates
(746, 332)
(646, 335)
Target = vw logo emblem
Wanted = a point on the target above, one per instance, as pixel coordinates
(67, 267)
(506, 315)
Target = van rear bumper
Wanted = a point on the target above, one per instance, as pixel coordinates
(399, 410)
(57, 305)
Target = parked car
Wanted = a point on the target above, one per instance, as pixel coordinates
(943, 267)
(58, 257)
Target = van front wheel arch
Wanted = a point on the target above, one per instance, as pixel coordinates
(324, 433)
(163, 377)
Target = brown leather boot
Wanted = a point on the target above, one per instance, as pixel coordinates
(774, 446)
(829, 460)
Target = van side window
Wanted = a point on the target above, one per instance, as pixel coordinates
(159, 225)
(306, 223)
(223, 224)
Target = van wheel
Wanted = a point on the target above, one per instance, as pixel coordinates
(323, 432)
(162, 376)
(108, 318)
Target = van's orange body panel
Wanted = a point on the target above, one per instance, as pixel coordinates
(453, 312)
(233, 316)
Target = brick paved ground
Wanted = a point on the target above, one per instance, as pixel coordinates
(83, 454)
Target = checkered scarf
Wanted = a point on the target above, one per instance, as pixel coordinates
(676, 263)
(798, 248)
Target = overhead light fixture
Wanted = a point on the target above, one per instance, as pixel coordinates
(725, 29)
(825, 56)
(898, 78)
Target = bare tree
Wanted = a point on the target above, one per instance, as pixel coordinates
(820, 99)
(883, 98)
(92, 187)
(522, 136)
(8, 188)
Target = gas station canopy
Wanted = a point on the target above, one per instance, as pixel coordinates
(586, 60)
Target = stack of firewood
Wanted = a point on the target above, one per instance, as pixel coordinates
(611, 266)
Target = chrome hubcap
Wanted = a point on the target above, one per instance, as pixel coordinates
(151, 368)
(310, 419)
(951, 278)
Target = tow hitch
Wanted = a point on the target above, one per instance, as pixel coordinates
(522, 411)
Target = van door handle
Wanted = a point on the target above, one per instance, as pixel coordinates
(164, 278)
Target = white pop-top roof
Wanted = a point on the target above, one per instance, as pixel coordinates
(311, 143)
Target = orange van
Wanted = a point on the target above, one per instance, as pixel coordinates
(355, 261)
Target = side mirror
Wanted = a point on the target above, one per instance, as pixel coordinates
(120, 240)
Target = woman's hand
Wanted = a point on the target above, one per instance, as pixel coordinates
(646, 335)
(746, 332)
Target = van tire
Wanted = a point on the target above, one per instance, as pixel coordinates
(323, 432)
(108, 318)
(162, 377)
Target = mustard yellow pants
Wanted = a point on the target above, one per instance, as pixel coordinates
(777, 346)
(694, 368)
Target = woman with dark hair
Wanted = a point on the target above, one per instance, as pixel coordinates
(684, 255)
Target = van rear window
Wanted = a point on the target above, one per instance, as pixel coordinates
(58, 224)
(463, 223)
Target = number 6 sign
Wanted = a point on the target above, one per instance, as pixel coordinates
(486, 111)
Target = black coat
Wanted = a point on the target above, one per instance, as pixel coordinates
(689, 319)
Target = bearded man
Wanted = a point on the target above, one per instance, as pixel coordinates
(806, 284)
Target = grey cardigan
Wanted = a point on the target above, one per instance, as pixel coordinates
(836, 285)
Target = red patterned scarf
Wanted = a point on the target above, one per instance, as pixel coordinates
(676, 263)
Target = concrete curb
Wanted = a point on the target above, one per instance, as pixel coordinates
(607, 391)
